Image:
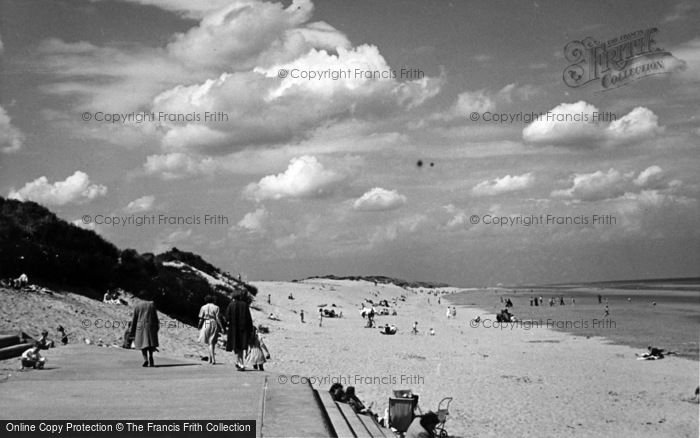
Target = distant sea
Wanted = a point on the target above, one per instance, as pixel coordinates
(673, 322)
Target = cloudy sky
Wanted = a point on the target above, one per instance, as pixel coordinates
(381, 163)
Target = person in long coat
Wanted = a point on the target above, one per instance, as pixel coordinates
(144, 330)
(239, 328)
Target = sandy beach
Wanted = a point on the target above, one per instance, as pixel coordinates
(504, 380)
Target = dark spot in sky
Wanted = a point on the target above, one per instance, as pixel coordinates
(419, 163)
(432, 164)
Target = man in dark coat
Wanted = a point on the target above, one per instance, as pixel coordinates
(239, 328)
(144, 330)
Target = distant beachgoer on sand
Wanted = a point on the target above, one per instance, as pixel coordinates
(600, 299)
(301, 314)
(541, 300)
(44, 342)
(258, 353)
(269, 298)
(21, 281)
(64, 336)
(438, 301)
(561, 301)
(423, 426)
(144, 330)
(454, 312)
(320, 317)
(210, 326)
(449, 312)
(573, 301)
(31, 358)
(389, 329)
(531, 301)
(337, 392)
(290, 297)
(415, 328)
(653, 303)
(239, 326)
(432, 332)
(607, 311)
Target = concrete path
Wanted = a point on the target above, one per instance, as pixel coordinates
(83, 382)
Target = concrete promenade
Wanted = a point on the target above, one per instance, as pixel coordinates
(84, 382)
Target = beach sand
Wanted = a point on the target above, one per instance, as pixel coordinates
(512, 381)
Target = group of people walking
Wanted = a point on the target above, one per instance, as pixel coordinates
(241, 335)
(236, 321)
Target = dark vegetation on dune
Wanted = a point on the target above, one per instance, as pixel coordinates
(380, 279)
(60, 255)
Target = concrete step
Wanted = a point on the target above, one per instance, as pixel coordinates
(341, 428)
(347, 423)
(9, 340)
(355, 423)
(14, 350)
(375, 430)
(291, 410)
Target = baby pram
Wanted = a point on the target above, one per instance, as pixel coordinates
(442, 412)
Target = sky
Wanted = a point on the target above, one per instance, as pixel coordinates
(282, 140)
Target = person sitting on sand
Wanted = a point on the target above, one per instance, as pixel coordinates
(43, 342)
(388, 329)
(415, 328)
(31, 358)
(423, 426)
(653, 351)
(432, 332)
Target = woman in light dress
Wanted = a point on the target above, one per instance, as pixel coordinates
(210, 326)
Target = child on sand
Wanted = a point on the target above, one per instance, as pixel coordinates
(258, 352)
(31, 358)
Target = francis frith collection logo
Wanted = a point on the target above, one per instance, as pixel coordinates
(618, 61)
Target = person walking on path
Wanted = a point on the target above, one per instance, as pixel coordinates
(210, 326)
(239, 328)
(144, 330)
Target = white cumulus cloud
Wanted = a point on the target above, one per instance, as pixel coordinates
(254, 221)
(599, 185)
(582, 124)
(144, 203)
(506, 184)
(379, 199)
(74, 189)
(11, 138)
(305, 177)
